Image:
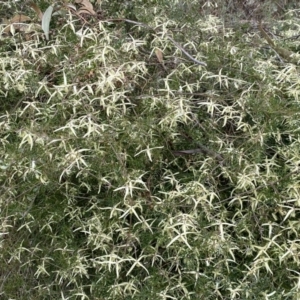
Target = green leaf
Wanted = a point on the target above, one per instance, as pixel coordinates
(46, 20)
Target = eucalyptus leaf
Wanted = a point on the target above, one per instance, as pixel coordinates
(46, 20)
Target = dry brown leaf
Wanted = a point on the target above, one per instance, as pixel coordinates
(14, 23)
(7, 29)
(87, 7)
(86, 11)
(19, 18)
(16, 26)
(159, 55)
(37, 10)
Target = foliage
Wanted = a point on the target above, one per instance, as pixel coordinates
(129, 171)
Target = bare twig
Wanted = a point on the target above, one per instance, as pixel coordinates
(201, 149)
(201, 63)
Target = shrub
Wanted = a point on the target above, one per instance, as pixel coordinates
(131, 171)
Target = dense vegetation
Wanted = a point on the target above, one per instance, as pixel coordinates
(149, 150)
